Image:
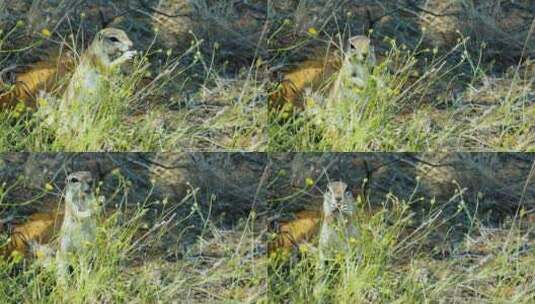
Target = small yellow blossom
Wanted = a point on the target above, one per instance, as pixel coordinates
(49, 187)
(312, 31)
(309, 182)
(46, 32)
(310, 103)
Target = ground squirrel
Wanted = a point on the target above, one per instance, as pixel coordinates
(90, 81)
(355, 72)
(338, 226)
(79, 227)
(351, 69)
(335, 221)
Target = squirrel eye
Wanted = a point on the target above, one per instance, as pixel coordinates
(73, 180)
(113, 39)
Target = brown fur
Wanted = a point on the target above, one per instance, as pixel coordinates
(314, 74)
(41, 76)
(40, 227)
(290, 234)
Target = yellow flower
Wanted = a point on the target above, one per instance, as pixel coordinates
(303, 249)
(40, 254)
(309, 182)
(310, 103)
(46, 32)
(49, 187)
(312, 31)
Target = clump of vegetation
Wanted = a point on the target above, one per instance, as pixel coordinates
(443, 82)
(441, 252)
(153, 251)
(403, 107)
(167, 100)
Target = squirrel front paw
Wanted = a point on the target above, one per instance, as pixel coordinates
(126, 56)
(129, 55)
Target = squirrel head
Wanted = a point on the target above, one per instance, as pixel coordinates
(338, 200)
(80, 198)
(113, 41)
(360, 48)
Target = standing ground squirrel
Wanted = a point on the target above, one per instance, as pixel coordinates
(338, 226)
(347, 97)
(354, 73)
(90, 81)
(78, 231)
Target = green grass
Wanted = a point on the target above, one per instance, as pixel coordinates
(403, 256)
(459, 96)
(171, 112)
(155, 251)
